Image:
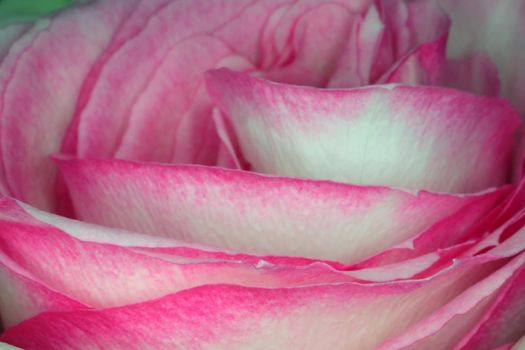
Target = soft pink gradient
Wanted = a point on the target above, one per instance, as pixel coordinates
(259, 214)
(417, 137)
(390, 215)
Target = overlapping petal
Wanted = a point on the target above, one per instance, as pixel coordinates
(231, 316)
(415, 137)
(38, 95)
(263, 214)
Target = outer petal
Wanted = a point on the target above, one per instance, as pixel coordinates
(479, 306)
(22, 296)
(259, 214)
(38, 97)
(156, 103)
(235, 317)
(417, 137)
(101, 275)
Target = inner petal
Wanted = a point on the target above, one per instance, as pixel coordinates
(414, 137)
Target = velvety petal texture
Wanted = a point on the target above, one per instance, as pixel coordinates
(417, 137)
(38, 95)
(261, 214)
(229, 316)
(263, 174)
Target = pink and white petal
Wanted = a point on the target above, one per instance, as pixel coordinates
(504, 322)
(446, 327)
(497, 28)
(417, 137)
(7, 65)
(39, 96)
(258, 214)
(226, 317)
(470, 222)
(22, 296)
(102, 275)
(176, 251)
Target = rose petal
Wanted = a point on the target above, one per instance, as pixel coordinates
(408, 24)
(23, 296)
(428, 65)
(313, 44)
(520, 345)
(504, 322)
(257, 214)
(470, 222)
(161, 88)
(228, 316)
(101, 275)
(416, 137)
(39, 95)
(449, 324)
(355, 62)
(484, 304)
(169, 249)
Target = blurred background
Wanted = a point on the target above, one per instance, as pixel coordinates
(19, 10)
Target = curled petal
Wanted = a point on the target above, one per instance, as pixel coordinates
(417, 137)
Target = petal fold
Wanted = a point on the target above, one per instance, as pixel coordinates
(415, 137)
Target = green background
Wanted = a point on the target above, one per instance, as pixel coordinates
(16, 10)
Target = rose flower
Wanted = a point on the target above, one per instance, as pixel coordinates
(264, 174)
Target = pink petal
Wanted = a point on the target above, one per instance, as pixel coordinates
(428, 65)
(503, 322)
(478, 306)
(168, 249)
(101, 275)
(355, 62)
(313, 44)
(260, 214)
(417, 137)
(23, 297)
(470, 222)
(408, 24)
(38, 96)
(132, 24)
(144, 111)
(225, 316)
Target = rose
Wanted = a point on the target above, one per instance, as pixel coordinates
(381, 258)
